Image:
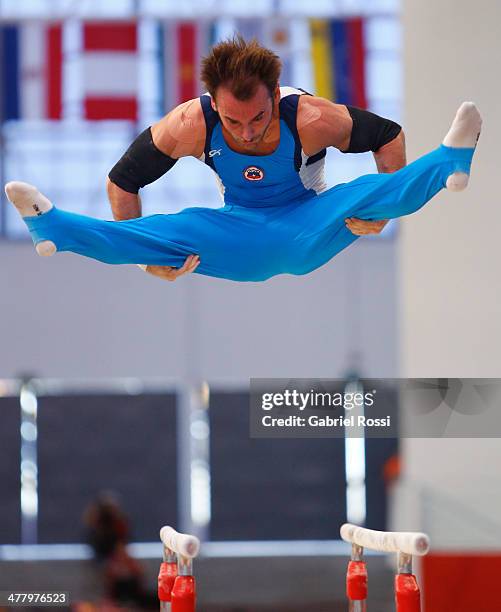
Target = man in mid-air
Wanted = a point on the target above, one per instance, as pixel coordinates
(267, 146)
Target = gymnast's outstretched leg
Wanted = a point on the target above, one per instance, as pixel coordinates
(146, 240)
(163, 239)
(387, 196)
(232, 245)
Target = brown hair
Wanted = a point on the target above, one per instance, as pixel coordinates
(240, 65)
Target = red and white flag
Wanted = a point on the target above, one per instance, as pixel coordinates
(110, 70)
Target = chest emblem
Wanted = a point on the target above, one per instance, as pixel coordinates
(253, 173)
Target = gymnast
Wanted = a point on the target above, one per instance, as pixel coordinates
(266, 145)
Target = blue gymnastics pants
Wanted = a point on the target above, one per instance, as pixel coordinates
(253, 244)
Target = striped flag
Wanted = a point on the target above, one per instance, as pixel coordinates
(110, 70)
(184, 44)
(349, 61)
(321, 52)
(338, 53)
(187, 51)
(277, 37)
(31, 66)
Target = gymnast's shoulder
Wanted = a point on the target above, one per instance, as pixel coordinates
(181, 133)
(322, 123)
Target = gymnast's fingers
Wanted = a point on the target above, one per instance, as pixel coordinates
(170, 274)
(189, 265)
(360, 227)
(164, 272)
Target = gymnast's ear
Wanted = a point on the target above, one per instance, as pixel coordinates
(276, 95)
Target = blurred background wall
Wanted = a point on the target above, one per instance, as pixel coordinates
(449, 292)
(70, 317)
(449, 289)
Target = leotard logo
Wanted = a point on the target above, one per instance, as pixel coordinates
(253, 173)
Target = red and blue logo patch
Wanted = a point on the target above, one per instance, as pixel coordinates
(253, 173)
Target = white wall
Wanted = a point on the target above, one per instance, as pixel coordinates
(68, 316)
(449, 255)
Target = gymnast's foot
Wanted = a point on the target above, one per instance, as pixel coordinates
(463, 133)
(31, 203)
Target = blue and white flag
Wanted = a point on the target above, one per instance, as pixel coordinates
(30, 70)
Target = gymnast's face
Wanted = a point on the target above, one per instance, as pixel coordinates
(247, 121)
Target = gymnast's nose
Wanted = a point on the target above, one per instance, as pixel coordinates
(248, 134)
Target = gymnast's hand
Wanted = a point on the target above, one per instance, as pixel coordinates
(170, 274)
(360, 227)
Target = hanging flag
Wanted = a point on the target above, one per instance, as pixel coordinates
(186, 37)
(54, 71)
(321, 51)
(31, 71)
(338, 52)
(277, 37)
(168, 66)
(204, 44)
(356, 31)
(184, 43)
(302, 73)
(110, 70)
(349, 61)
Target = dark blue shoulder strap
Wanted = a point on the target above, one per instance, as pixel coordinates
(288, 112)
(211, 120)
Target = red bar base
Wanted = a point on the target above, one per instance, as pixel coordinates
(407, 595)
(356, 581)
(166, 579)
(183, 594)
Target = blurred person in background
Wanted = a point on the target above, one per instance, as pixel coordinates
(267, 146)
(107, 530)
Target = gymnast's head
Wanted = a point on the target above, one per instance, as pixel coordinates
(242, 78)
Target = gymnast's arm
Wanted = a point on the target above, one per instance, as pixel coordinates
(322, 124)
(389, 158)
(180, 133)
